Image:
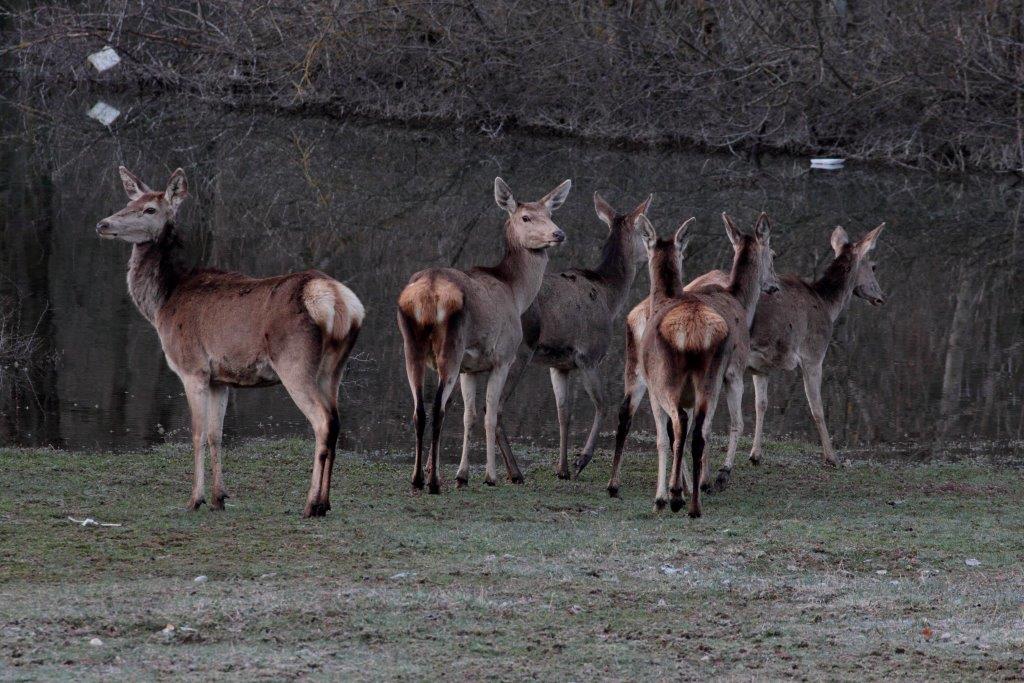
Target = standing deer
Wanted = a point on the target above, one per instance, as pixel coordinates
(696, 342)
(569, 326)
(467, 323)
(221, 330)
(792, 327)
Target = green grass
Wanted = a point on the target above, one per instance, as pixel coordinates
(781, 577)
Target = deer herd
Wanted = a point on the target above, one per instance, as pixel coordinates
(686, 344)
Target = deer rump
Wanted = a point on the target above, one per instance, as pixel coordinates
(694, 332)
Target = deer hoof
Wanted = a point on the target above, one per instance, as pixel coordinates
(195, 503)
(218, 500)
(705, 487)
(830, 461)
(659, 504)
(676, 504)
(434, 488)
(694, 512)
(309, 511)
(613, 491)
(461, 482)
(490, 482)
(562, 474)
(517, 479)
(755, 460)
(581, 462)
(722, 480)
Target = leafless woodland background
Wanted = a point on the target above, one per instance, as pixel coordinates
(931, 83)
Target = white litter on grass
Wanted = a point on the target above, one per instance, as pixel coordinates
(972, 562)
(105, 59)
(402, 575)
(791, 567)
(828, 164)
(200, 579)
(669, 570)
(882, 572)
(89, 521)
(168, 630)
(105, 114)
(96, 642)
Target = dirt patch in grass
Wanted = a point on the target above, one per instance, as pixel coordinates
(793, 571)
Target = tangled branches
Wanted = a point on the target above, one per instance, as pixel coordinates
(931, 83)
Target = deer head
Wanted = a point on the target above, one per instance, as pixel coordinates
(530, 223)
(625, 226)
(665, 256)
(760, 249)
(147, 212)
(866, 286)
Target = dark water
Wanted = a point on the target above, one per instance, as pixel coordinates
(370, 205)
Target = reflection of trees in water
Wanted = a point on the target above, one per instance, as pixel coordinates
(371, 205)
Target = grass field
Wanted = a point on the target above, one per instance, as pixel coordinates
(794, 571)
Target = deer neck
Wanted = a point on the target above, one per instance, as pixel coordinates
(522, 270)
(154, 270)
(745, 281)
(616, 271)
(666, 280)
(835, 286)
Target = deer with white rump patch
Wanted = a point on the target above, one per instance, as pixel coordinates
(792, 328)
(466, 324)
(694, 343)
(220, 329)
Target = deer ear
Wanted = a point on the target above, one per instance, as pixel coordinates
(503, 195)
(644, 206)
(731, 231)
(554, 199)
(177, 189)
(643, 224)
(762, 227)
(604, 210)
(867, 243)
(682, 237)
(133, 187)
(839, 240)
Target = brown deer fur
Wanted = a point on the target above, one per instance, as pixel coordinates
(569, 326)
(694, 343)
(791, 328)
(467, 323)
(221, 330)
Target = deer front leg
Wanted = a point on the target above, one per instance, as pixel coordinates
(734, 401)
(492, 408)
(216, 406)
(595, 389)
(560, 385)
(467, 384)
(812, 387)
(664, 444)
(197, 391)
(760, 408)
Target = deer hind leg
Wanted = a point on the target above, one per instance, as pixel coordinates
(197, 391)
(563, 404)
(467, 383)
(812, 387)
(330, 382)
(664, 444)
(524, 356)
(679, 420)
(734, 401)
(595, 389)
(760, 408)
(634, 393)
(415, 368)
(217, 403)
(495, 385)
(449, 347)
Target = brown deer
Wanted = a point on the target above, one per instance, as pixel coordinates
(792, 327)
(467, 323)
(569, 326)
(220, 329)
(694, 344)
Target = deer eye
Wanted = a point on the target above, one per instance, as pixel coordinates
(149, 209)
(526, 219)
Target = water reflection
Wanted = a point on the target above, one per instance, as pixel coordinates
(370, 205)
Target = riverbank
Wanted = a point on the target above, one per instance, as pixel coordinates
(868, 571)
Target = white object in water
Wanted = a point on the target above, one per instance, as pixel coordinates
(104, 113)
(105, 59)
(830, 164)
